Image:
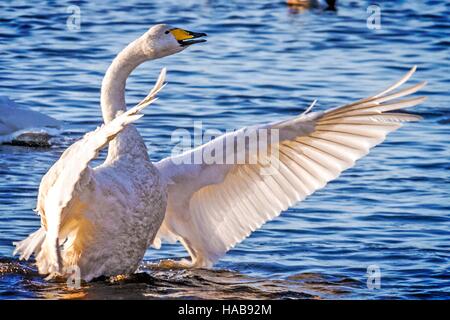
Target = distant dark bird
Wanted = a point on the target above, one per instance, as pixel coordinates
(311, 4)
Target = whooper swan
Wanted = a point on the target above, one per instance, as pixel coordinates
(210, 207)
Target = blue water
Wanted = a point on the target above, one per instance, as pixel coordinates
(263, 61)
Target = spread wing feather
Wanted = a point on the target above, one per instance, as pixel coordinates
(212, 207)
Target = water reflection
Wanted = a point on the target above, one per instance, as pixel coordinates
(155, 282)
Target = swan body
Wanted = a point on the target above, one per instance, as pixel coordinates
(96, 218)
(19, 125)
(103, 219)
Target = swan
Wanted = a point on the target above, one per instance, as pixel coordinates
(106, 216)
(100, 220)
(22, 126)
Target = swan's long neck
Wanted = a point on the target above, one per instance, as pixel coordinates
(129, 143)
(113, 85)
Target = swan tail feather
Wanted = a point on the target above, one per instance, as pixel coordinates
(32, 244)
(46, 251)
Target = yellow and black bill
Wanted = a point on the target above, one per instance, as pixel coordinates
(187, 38)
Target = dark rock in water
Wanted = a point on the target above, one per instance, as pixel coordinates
(31, 139)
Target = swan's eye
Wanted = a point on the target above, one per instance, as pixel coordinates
(167, 32)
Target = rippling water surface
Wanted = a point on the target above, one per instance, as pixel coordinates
(263, 61)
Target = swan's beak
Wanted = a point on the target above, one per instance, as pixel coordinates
(187, 38)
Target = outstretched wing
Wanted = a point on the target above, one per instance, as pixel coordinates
(60, 185)
(212, 207)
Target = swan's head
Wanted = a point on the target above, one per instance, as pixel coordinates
(163, 40)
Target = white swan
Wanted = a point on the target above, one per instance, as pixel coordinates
(105, 214)
(22, 126)
(102, 219)
(213, 207)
